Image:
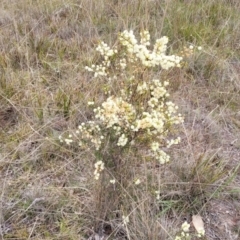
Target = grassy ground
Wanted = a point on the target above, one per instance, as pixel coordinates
(46, 188)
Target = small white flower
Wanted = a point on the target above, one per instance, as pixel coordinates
(137, 181)
(125, 219)
(99, 167)
(60, 139)
(88, 69)
(122, 141)
(158, 195)
(90, 103)
(68, 141)
(155, 146)
(113, 181)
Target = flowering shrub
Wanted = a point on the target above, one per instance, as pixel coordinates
(140, 112)
(137, 114)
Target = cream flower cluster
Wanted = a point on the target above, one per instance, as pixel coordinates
(145, 38)
(135, 53)
(89, 132)
(122, 141)
(148, 58)
(99, 167)
(68, 140)
(142, 88)
(114, 111)
(159, 154)
(106, 52)
(185, 232)
(160, 112)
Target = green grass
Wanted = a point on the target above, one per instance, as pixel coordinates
(47, 189)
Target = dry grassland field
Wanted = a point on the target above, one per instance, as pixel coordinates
(120, 119)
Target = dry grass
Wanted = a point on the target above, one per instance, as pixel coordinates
(47, 190)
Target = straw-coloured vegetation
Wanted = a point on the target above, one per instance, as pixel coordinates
(108, 133)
